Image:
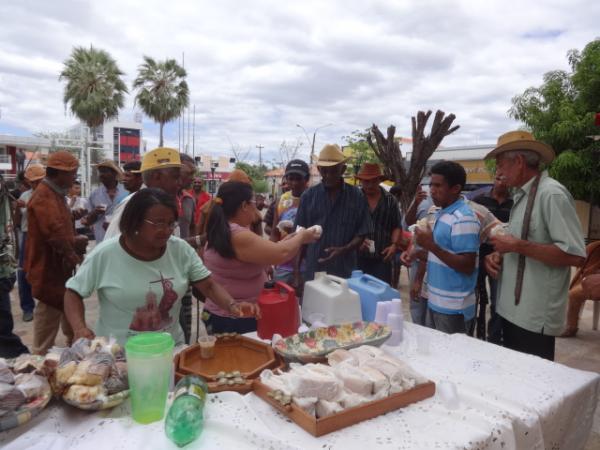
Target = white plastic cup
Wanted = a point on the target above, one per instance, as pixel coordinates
(447, 392)
(381, 312)
(395, 321)
(395, 339)
(395, 306)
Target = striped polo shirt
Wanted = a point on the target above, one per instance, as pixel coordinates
(456, 230)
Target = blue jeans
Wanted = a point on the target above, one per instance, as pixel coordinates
(418, 311)
(10, 344)
(25, 297)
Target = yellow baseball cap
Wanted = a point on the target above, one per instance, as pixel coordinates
(160, 158)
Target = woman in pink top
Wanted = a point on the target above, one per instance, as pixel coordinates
(237, 257)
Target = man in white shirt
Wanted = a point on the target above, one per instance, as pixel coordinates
(160, 169)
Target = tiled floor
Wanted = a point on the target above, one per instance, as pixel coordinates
(581, 352)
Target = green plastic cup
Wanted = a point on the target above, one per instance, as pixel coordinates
(149, 369)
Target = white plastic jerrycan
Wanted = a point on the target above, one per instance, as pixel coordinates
(329, 298)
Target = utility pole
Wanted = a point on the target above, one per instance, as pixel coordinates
(194, 135)
(260, 147)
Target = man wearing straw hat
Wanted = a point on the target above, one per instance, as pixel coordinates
(376, 253)
(343, 213)
(533, 259)
(105, 197)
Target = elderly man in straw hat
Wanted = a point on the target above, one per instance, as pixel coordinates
(53, 250)
(343, 213)
(533, 259)
(105, 197)
(34, 175)
(161, 168)
(376, 253)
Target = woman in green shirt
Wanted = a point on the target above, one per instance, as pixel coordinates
(141, 276)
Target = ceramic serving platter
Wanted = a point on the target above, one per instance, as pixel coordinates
(315, 344)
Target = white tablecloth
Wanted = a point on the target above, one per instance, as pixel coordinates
(507, 400)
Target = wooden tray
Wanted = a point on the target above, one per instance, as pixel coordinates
(232, 353)
(350, 416)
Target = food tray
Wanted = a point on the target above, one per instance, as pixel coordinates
(232, 353)
(314, 345)
(109, 401)
(26, 412)
(350, 416)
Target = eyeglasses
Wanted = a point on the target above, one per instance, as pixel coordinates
(162, 225)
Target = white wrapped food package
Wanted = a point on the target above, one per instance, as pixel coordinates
(341, 356)
(308, 404)
(326, 408)
(314, 381)
(381, 384)
(354, 379)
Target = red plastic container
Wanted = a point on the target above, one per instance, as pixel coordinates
(279, 311)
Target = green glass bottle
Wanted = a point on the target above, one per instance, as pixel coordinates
(185, 420)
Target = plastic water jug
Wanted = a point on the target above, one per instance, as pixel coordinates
(279, 311)
(371, 290)
(331, 298)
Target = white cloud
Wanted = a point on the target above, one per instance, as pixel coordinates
(256, 69)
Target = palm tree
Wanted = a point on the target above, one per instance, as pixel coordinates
(94, 90)
(163, 93)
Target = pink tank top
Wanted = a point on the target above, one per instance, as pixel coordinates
(244, 281)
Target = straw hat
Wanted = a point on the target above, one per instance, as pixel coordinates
(62, 160)
(521, 140)
(160, 158)
(35, 172)
(331, 155)
(370, 171)
(110, 164)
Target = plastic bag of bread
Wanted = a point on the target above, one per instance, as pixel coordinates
(11, 398)
(84, 394)
(31, 385)
(93, 370)
(117, 380)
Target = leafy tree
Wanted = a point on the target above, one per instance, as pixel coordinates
(162, 92)
(561, 113)
(358, 149)
(94, 90)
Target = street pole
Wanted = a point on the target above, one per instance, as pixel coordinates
(194, 135)
(260, 147)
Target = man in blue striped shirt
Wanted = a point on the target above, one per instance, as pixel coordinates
(452, 249)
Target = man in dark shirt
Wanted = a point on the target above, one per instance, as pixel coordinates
(376, 253)
(343, 213)
(497, 200)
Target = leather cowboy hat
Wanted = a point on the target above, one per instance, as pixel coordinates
(62, 160)
(35, 172)
(331, 155)
(370, 171)
(110, 164)
(521, 140)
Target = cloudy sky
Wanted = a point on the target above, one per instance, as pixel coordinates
(258, 68)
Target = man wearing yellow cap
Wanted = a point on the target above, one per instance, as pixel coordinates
(161, 168)
(343, 213)
(533, 259)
